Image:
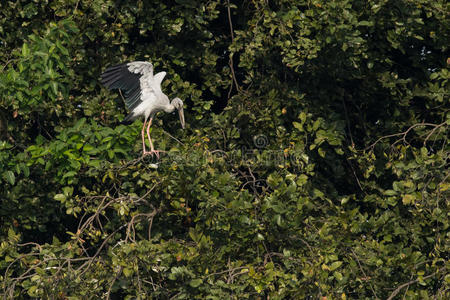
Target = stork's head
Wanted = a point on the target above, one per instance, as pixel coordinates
(178, 104)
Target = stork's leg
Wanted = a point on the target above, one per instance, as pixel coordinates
(152, 150)
(143, 139)
(148, 134)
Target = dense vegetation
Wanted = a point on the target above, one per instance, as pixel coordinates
(314, 163)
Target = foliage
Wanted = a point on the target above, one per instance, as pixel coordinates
(314, 163)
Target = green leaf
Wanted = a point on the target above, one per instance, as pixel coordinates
(279, 220)
(335, 265)
(408, 199)
(299, 126)
(365, 23)
(60, 197)
(195, 282)
(321, 152)
(79, 124)
(316, 125)
(11, 234)
(31, 291)
(338, 276)
(390, 192)
(25, 49)
(434, 75)
(69, 174)
(35, 278)
(10, 177)
(302, 179)
(127, 272)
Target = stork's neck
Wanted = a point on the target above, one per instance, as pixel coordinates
(169, 108)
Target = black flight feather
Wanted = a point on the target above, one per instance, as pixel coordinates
(119, 77)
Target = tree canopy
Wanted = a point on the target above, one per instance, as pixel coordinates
(314, 164)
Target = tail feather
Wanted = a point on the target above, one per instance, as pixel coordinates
(128, 119)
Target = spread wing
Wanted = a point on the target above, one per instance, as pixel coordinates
(131, 78)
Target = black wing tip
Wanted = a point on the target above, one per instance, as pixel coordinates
(109, 80)
(119, 77)
(115, 67)
(109, 71)
(126, 123)
(116, 74)
(128, 119)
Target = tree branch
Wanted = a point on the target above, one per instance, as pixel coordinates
(231, 63)
(400, 287)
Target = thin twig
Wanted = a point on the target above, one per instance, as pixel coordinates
(173, 137)
(364, 273)
(348, 123)
(432, 131)
(113, 281)
(227, 271)
(130, 226)
(356, 176)
(31, 244)
(402, 134)
(407, 284)
(7, 63)
(76, 7)
(91, 260)
(233, 74)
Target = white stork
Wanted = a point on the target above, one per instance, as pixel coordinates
(143, 94)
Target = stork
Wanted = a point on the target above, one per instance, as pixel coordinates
(143, 95)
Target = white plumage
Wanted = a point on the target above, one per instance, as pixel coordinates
(143, 94)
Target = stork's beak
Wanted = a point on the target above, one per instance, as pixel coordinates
(181, 114)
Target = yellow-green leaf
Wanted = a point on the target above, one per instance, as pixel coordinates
(408, 199)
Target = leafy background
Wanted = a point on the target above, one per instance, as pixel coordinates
(314, 163)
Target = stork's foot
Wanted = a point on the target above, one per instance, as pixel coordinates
(155, 152)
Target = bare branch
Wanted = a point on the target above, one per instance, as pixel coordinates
(364, 273)
(233, 74)
(405, 133)
(113, 281)
(407, 284)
